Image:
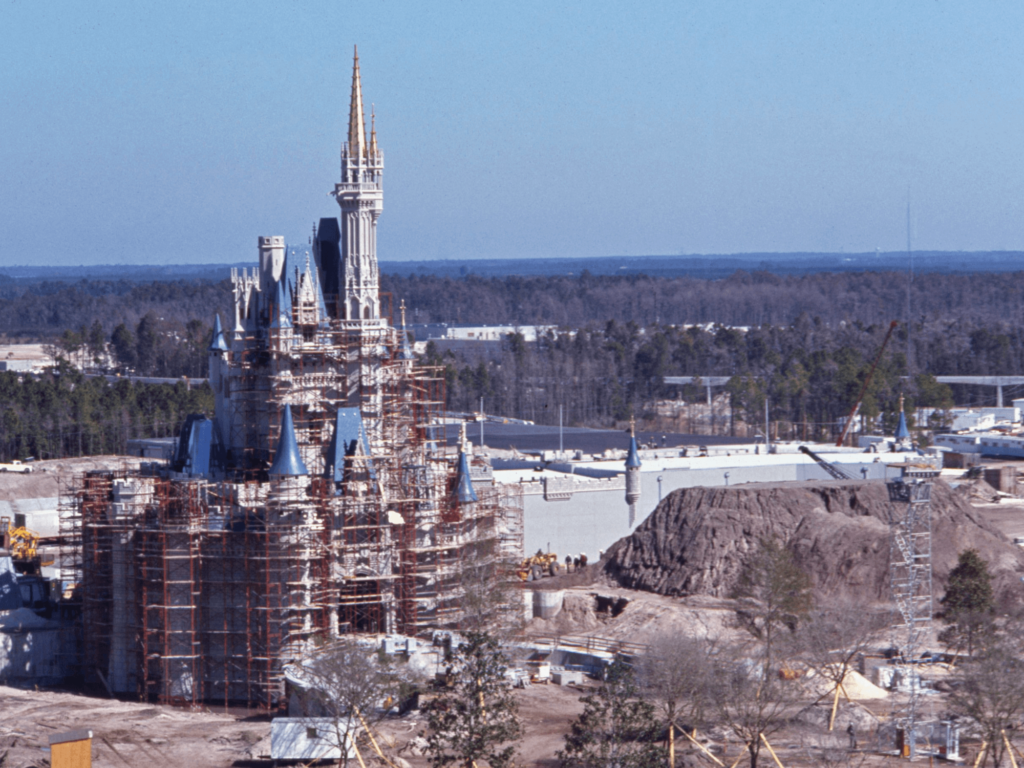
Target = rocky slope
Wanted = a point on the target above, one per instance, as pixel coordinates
(698, 539)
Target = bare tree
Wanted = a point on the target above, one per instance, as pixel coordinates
(751, 695)
(348, 685)
(753, 690)
(989, 691)
(490, 601)
(831, 641)
(675, 671)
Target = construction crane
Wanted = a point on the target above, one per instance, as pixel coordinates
(828, 466)
(867, 382)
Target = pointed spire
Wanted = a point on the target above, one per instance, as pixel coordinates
(288, 461)
(464, 491)
(633, 457)
(373, 129)
(405, 350)
(218, 343)
(282, 307)
(902, 433)
(356, 122)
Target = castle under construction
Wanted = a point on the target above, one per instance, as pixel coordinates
(320, 498)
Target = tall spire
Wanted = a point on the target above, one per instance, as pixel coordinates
(356, 122)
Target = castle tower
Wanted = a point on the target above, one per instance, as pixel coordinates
(632, 474)
(360, 196)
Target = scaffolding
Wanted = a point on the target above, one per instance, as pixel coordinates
(198, 590)
(910, 574)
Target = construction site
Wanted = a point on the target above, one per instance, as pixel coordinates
(330, 495)
(315, 502)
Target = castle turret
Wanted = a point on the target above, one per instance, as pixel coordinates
(464, 490)
(360, 196)
(632, 474)
(287, 460)
(902, 433)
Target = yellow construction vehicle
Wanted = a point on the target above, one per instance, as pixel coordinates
(23, 545)
(540, 565)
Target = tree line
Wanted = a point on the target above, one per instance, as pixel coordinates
(46, 309)
(811, 373)
(743, 299)
(62, 413)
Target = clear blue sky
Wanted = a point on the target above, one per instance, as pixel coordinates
(143, 132)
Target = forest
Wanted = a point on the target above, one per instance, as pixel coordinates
(803, 342)
(62, 413)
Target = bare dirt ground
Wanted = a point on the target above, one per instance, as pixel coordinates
(124, 733)
(131, 734)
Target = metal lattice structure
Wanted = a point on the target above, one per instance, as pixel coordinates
(910, 575)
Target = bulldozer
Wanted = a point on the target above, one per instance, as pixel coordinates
(539, 565)
(23, 545)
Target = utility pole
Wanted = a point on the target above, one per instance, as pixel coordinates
(560, 446)
(481, 422)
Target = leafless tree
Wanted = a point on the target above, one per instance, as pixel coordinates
(989, 691)
(490, 600)
(350, 686)
(750, 694)
(676, 672)
(832, 639)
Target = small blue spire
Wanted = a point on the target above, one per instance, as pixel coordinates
(902, 433)
(633, 457)
(288, 461)
(464, 490)
(218, 343)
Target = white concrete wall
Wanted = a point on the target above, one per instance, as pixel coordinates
(592, 521)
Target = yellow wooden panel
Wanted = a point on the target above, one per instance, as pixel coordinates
(71, 754)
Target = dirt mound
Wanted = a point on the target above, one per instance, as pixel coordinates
(698, 539)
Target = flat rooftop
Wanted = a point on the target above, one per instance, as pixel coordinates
(535, 438)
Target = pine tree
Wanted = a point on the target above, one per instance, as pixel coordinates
(617, 728)
(476, 721)
(968, 600)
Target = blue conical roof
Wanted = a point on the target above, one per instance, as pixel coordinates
(282, 308)
(218, 343)
(348, 440)
(633, 458)
(406, 351)
(288, 461)
(902, 433)
(464, 490)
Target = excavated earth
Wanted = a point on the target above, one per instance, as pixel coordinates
(697, 540)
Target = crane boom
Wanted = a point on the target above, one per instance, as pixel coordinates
(867, 382)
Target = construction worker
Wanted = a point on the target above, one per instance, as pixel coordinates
(568, 563)
(853, 736)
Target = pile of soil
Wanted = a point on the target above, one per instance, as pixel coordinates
(698, 540)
